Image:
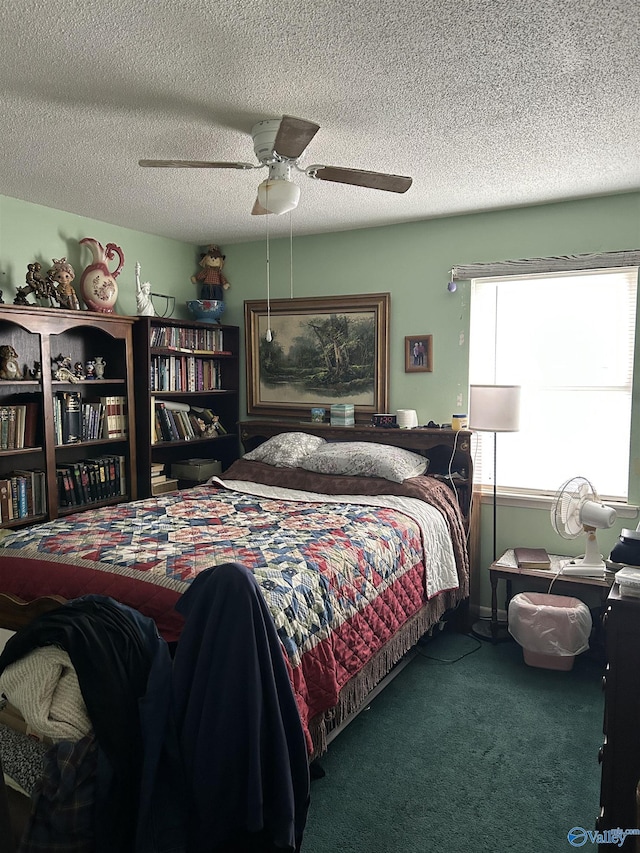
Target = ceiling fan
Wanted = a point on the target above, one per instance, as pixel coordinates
(279, 144)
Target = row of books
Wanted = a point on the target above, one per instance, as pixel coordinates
(76, 420)
(189, 340)
(91, 480)
(175, 421)
(18, 426)
(185, 373)
(22, 495)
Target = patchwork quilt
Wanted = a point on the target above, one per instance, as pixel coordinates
(340, 574)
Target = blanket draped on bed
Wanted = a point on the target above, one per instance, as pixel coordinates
(340, 579)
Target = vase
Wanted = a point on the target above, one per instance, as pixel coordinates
(98, 285)
(99, 367)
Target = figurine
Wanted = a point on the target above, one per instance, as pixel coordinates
(34, 284)
(33, 278)
(60, 277)
(144, 305)
(78, 369)
(21, 296)
(90, 369)
(99, 366)
(9, 366)
(62, 369)
(213, 282)
(36, 372)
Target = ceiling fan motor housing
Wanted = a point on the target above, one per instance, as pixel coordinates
(264, 137)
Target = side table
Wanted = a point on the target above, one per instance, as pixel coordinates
(506, 568)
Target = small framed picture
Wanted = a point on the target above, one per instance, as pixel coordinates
(418, 354)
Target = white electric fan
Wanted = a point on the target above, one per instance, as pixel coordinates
(577, 509)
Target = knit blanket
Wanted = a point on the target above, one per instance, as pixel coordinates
(44, 687)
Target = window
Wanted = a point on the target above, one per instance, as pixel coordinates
(568, 340)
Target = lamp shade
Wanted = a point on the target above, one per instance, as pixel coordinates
(494, 408)
(278, 196)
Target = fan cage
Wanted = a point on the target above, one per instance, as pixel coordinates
(565, 510)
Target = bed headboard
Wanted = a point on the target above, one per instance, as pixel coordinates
(448, 451)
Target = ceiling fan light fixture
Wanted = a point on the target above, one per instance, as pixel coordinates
(278, 196)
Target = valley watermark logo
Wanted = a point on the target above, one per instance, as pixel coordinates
(578, 836)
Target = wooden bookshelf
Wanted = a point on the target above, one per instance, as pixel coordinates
(39, 335)
(189, 366)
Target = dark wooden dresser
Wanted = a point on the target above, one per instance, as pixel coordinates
(620, 751)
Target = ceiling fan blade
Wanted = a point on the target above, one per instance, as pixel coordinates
(361, 178)
(258, 209)
(195, 164)
(294, 134)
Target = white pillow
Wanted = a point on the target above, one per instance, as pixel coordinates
(365, 459)
(285, 450)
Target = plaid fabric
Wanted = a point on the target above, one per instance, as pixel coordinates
(62, 818)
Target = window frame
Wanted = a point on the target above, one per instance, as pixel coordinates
(480, 375)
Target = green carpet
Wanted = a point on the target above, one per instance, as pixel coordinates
(482, 755)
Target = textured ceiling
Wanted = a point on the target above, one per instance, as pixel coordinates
(485, 103)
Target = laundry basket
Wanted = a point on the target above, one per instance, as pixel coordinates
(552, 629)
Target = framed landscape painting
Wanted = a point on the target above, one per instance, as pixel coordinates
(323, 350)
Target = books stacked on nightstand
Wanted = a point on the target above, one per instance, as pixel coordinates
(532, 558)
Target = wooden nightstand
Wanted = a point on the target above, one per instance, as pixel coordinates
(505, 567)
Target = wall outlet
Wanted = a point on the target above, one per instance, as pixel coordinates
(459, 402)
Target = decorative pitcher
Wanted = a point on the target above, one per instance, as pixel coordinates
(98, 285)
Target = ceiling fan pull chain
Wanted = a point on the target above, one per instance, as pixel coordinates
(269, 335)
(291, 252)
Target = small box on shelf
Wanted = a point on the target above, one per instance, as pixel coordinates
(196, 470)
(342, 414)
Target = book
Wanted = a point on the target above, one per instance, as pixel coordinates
(4, 427)
(31, 423)
(532, 558)
(25, 492)
(115, 422)
(169, 485)
(71, 412)
(6, 505)
(11, 437)
(174, 405)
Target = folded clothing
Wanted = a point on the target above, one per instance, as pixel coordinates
(44, 687)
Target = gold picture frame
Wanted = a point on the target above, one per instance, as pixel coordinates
(324, 350)
(418, 354)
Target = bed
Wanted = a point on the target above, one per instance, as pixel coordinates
(354, 567)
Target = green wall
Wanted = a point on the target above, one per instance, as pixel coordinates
(30, 232)
(411, 261)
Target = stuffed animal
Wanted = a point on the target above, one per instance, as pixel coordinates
(213, 281)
